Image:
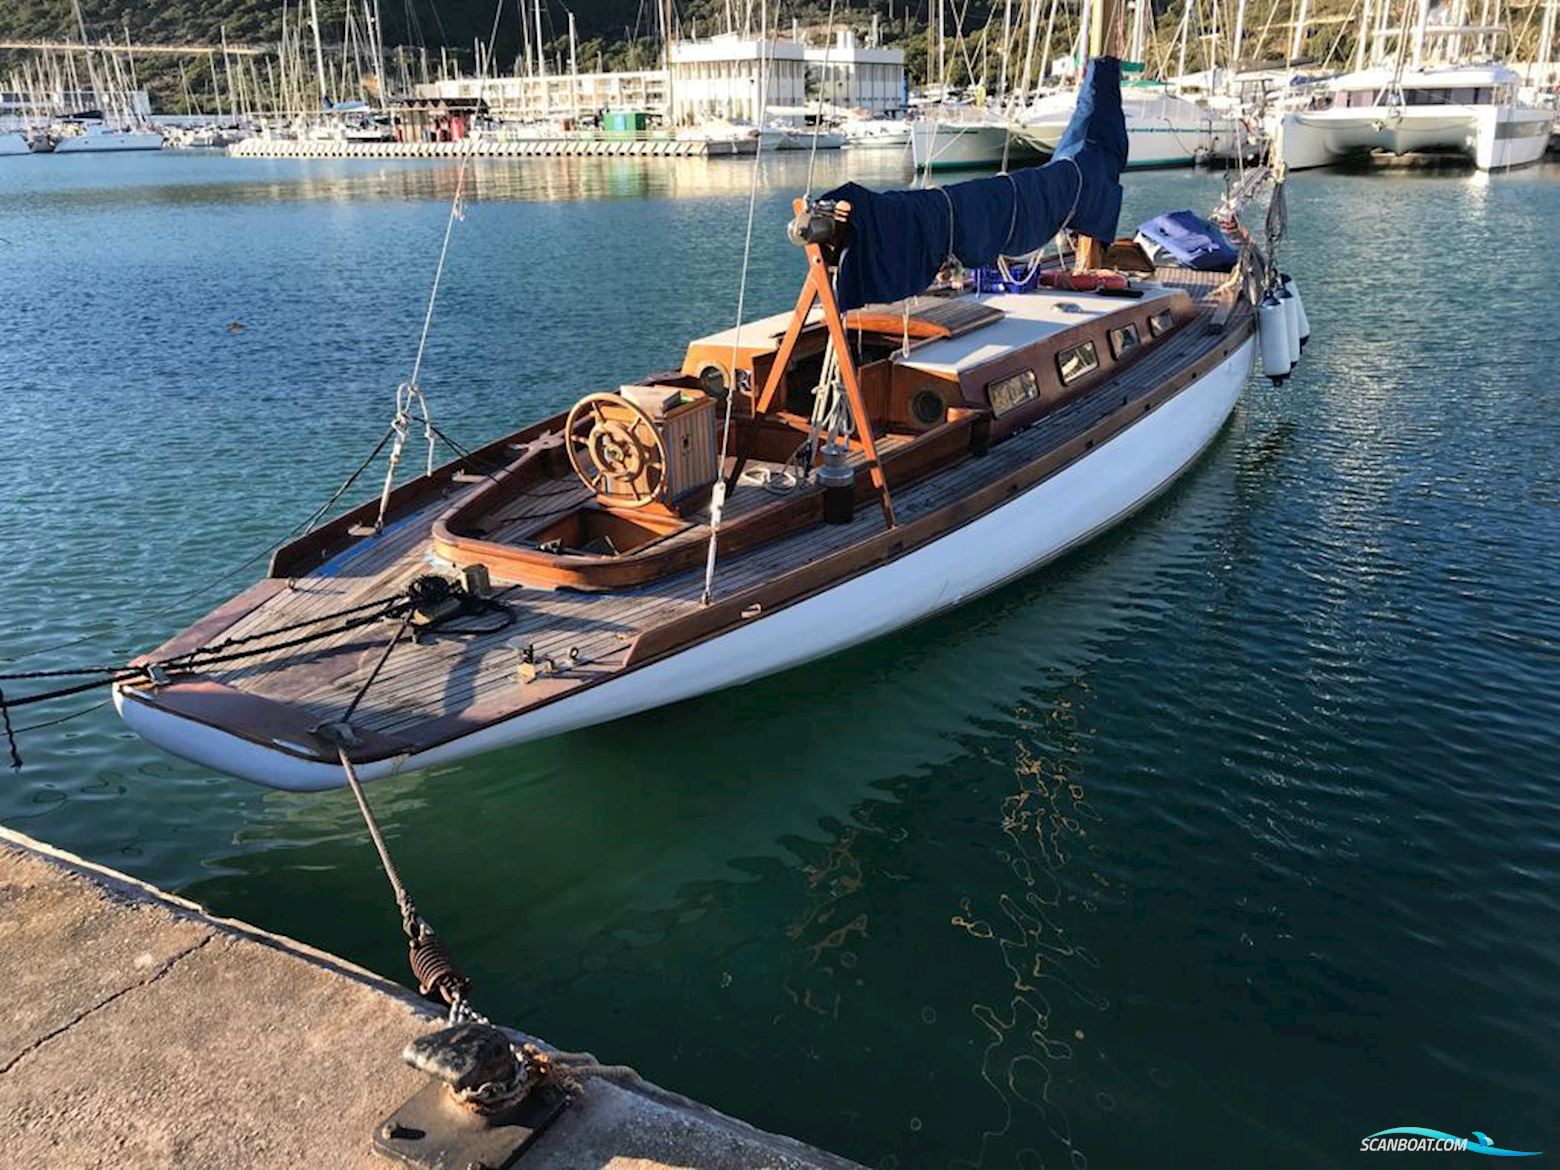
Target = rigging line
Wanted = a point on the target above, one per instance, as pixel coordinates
(718, 493)
(455, 212)
(10, 734)
(62, 719)
(212, 648)
(373, 675)
(305, 525)
(409, 389)
(812, 156)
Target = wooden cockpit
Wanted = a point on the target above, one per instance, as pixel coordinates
(617, 493)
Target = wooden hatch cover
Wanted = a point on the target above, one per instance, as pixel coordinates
(928, 317)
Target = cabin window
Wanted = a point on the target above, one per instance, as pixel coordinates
(1161, 322)
(1124, 340)
(1074, 363)
(1011, 393)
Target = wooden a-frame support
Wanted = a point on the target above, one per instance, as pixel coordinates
(817, 287)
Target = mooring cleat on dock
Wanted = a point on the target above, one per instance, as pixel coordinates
(483, 1105)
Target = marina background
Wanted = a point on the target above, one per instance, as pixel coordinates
(1234, 831)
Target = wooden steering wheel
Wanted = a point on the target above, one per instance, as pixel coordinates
(616, 450)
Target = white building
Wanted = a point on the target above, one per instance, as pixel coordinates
(575, 96)
(713, 78)
(719, 78)
(853, 77)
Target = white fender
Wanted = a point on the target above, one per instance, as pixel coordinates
(1305, 322)
(1290, 305)
(1273, 339)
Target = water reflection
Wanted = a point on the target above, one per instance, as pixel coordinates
(176, 180)
(1051, 996)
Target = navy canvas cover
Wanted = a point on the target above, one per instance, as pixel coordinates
(1191, 239)
(900, 239)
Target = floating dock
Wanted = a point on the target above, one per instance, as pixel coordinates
(578, 147)
(142, 1032)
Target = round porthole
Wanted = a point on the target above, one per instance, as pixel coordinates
(713, 379)
(927, 408)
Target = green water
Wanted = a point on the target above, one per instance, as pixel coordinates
(1228, 841)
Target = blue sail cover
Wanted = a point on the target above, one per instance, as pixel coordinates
(900, 239)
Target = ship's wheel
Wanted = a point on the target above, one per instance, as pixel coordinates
(616, 450)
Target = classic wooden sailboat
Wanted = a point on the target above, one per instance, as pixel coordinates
(891, 450)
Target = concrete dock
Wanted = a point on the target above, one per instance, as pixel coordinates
(139, 1031)
(575, 146)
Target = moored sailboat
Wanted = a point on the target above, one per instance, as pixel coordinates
(906, 439)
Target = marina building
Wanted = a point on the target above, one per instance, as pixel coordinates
(573, 96)
(717, 77)
(852, 76)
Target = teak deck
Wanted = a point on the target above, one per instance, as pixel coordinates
(435, 690)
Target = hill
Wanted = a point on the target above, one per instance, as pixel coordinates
(620, 34)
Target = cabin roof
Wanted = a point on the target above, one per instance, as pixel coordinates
(1027, 318)
(760, 334)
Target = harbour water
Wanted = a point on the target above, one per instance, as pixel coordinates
(1228, 841)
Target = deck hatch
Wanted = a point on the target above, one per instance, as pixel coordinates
(928, 317)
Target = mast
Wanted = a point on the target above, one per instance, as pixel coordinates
(1240, 27)
(86, 49)
(1297, 41)
(1186, 33)
(666, 60)
(541, 57)
(1091, 252)
(319, 52)
(1045, 52)
(942, 58)
(227, 69)
(1007, 47)
(1546, 42)
(1419, 34)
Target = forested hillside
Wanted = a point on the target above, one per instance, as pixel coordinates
(618, 34)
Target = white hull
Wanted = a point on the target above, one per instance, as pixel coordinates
(877, 136)
(780, 138)
(949, 145)
(1167, 132)
(13, 144)
(108, 141)
(1496, 138)
(1077, 503)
